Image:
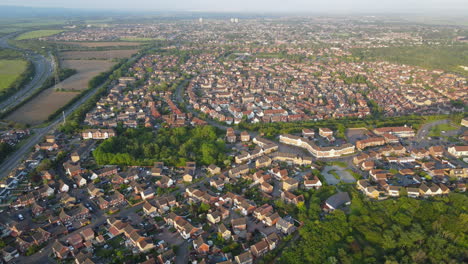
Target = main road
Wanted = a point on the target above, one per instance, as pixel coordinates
(43, 69)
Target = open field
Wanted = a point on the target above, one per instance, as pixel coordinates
(38, 109)
(106, 54)
(441, 129)
(444, 57)
(10, 70)
(47, 102)
(38, 34)
(101, 44)
(87, 69)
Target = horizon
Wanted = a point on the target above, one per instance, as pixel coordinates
(296, 7)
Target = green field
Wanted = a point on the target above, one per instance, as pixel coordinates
(38, 34)
(436, 131)
(444, 57)
(10, 70)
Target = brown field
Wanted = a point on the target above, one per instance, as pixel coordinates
(40, 108)
(87, 69)
(101, 44)
(105, 54)
(47, 102)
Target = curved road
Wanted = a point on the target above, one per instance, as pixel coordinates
(43, 69)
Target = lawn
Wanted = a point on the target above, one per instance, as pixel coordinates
(436, 131)
(38, 34)
(10, 70)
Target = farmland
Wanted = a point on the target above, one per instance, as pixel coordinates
(106, 54)
(10, 70)
(38, 109)
(47, 102)
(38, 34)
(87, 69)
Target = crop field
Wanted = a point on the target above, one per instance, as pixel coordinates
(87, 69)
(106, 54)
(41, 107)
(38, 34)
(10, 70)
(47, 102)
(102, 44)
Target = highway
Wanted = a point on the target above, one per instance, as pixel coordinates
(43, 69)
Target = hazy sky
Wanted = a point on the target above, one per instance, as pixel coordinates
(419, 6)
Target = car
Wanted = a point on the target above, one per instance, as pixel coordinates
(87, 205)
(20, 217)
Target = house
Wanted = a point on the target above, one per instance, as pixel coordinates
(308, 133)
(337, 200)
(284, 226)
(290, 184)
(436, 151)
(263, 161)
(244, 258)
(213, 217)
(413, 192)
(239, 223)
(63, 187)
(313, 183)
(393, 191)
(166, 257)
(213, 169)
(87, 234)
(245, 136)
(259, 249)
(289, 197)
(72, 169)
(459, 172)
(60, 251)
(230, 135)
(148, 193)
(98, 133)
(266, 187)
(201, 246)
(458, 151)
(225, 233)
(325, 132)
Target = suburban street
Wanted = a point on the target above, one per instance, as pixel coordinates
(43, 69)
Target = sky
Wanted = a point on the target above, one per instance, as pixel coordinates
(307, 6)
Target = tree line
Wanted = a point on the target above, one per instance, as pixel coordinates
(173, 146)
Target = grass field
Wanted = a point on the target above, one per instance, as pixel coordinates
(436, 131)
(10, 70)
(38, 34)
(444, 57)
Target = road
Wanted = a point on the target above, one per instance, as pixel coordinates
(43, 69)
